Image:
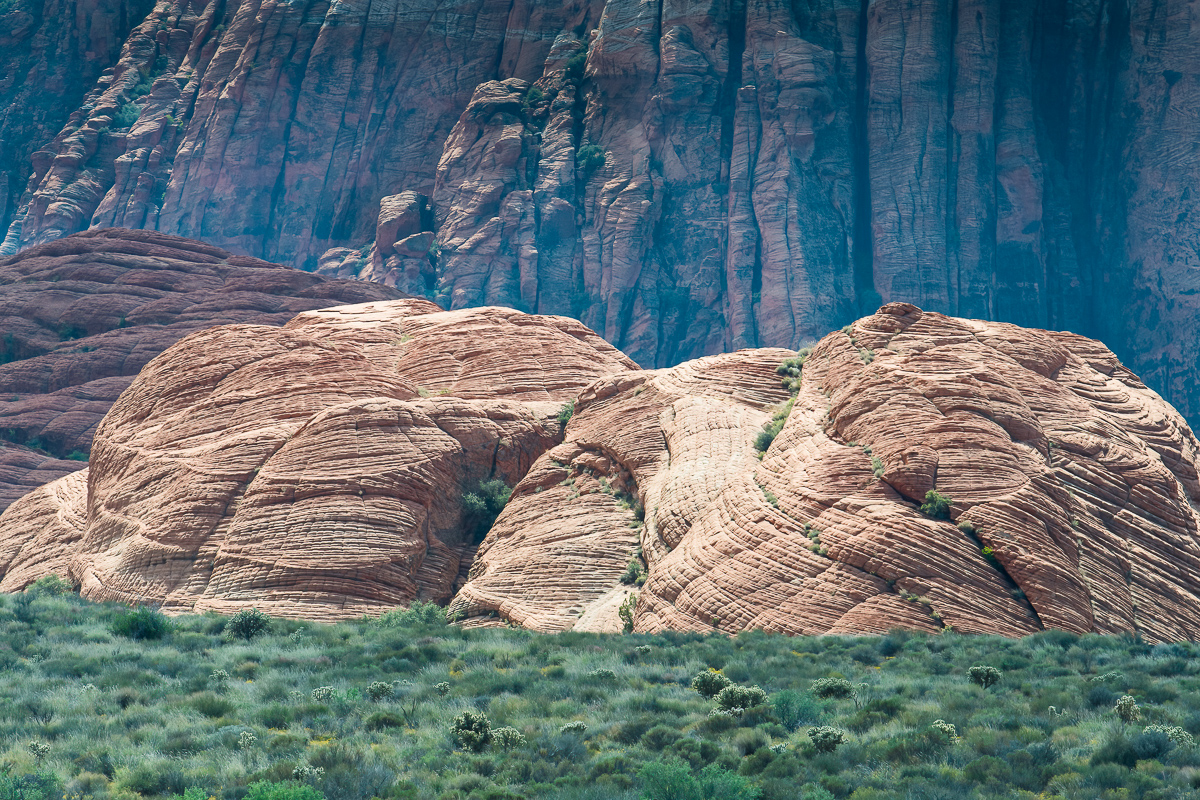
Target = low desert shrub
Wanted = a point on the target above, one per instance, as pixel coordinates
(248, 623)
(984, 676)
(826, 739)
(472, 731)
(741, 697)
(709, 682)
(282, 790)
(141, 623)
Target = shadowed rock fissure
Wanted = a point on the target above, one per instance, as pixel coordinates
(864, 270)
(1014, 588)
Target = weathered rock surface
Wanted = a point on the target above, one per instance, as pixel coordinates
(1081, 481)
(686, 178)
(80, 316)
(52, 53)
(312, 470)
(320, 469)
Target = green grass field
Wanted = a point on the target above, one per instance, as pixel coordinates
(365, 709)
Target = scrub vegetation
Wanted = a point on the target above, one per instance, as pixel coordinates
(100, 702)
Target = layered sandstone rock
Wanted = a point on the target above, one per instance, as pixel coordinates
(314, 470)
(321, 469)
(79, 317)
(1080, 481)
(685, 178)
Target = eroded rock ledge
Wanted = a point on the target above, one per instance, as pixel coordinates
(318, 470)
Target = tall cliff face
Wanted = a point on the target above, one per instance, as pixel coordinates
(52, 52)
(684, 177)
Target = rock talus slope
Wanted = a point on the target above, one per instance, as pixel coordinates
(80, 316)
(313, 470)
(1080, 483)
(685, 178)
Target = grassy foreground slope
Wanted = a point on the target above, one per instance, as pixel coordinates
(364, 709)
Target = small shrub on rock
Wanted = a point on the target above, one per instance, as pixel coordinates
(589, 158)
(936, 505)
(483, 504)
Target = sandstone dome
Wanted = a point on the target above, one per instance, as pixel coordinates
(318, 470)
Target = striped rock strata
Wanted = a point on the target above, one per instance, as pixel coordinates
(80, 316)
(319, 470)
(315, 470)
(1079, 480)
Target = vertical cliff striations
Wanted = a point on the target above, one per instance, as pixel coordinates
(684, 177)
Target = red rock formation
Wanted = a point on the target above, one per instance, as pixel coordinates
(1081, 483)
(684, 178)
(52, 53)
(79, 317)
(313, 470)
(319, 470)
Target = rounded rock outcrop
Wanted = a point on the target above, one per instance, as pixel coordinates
(80, 316)
(1072, 493)
(313, 470)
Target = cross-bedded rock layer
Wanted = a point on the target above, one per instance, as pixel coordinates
(1079, 481)
(312, 470)
(320, 469)
(80, 316)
